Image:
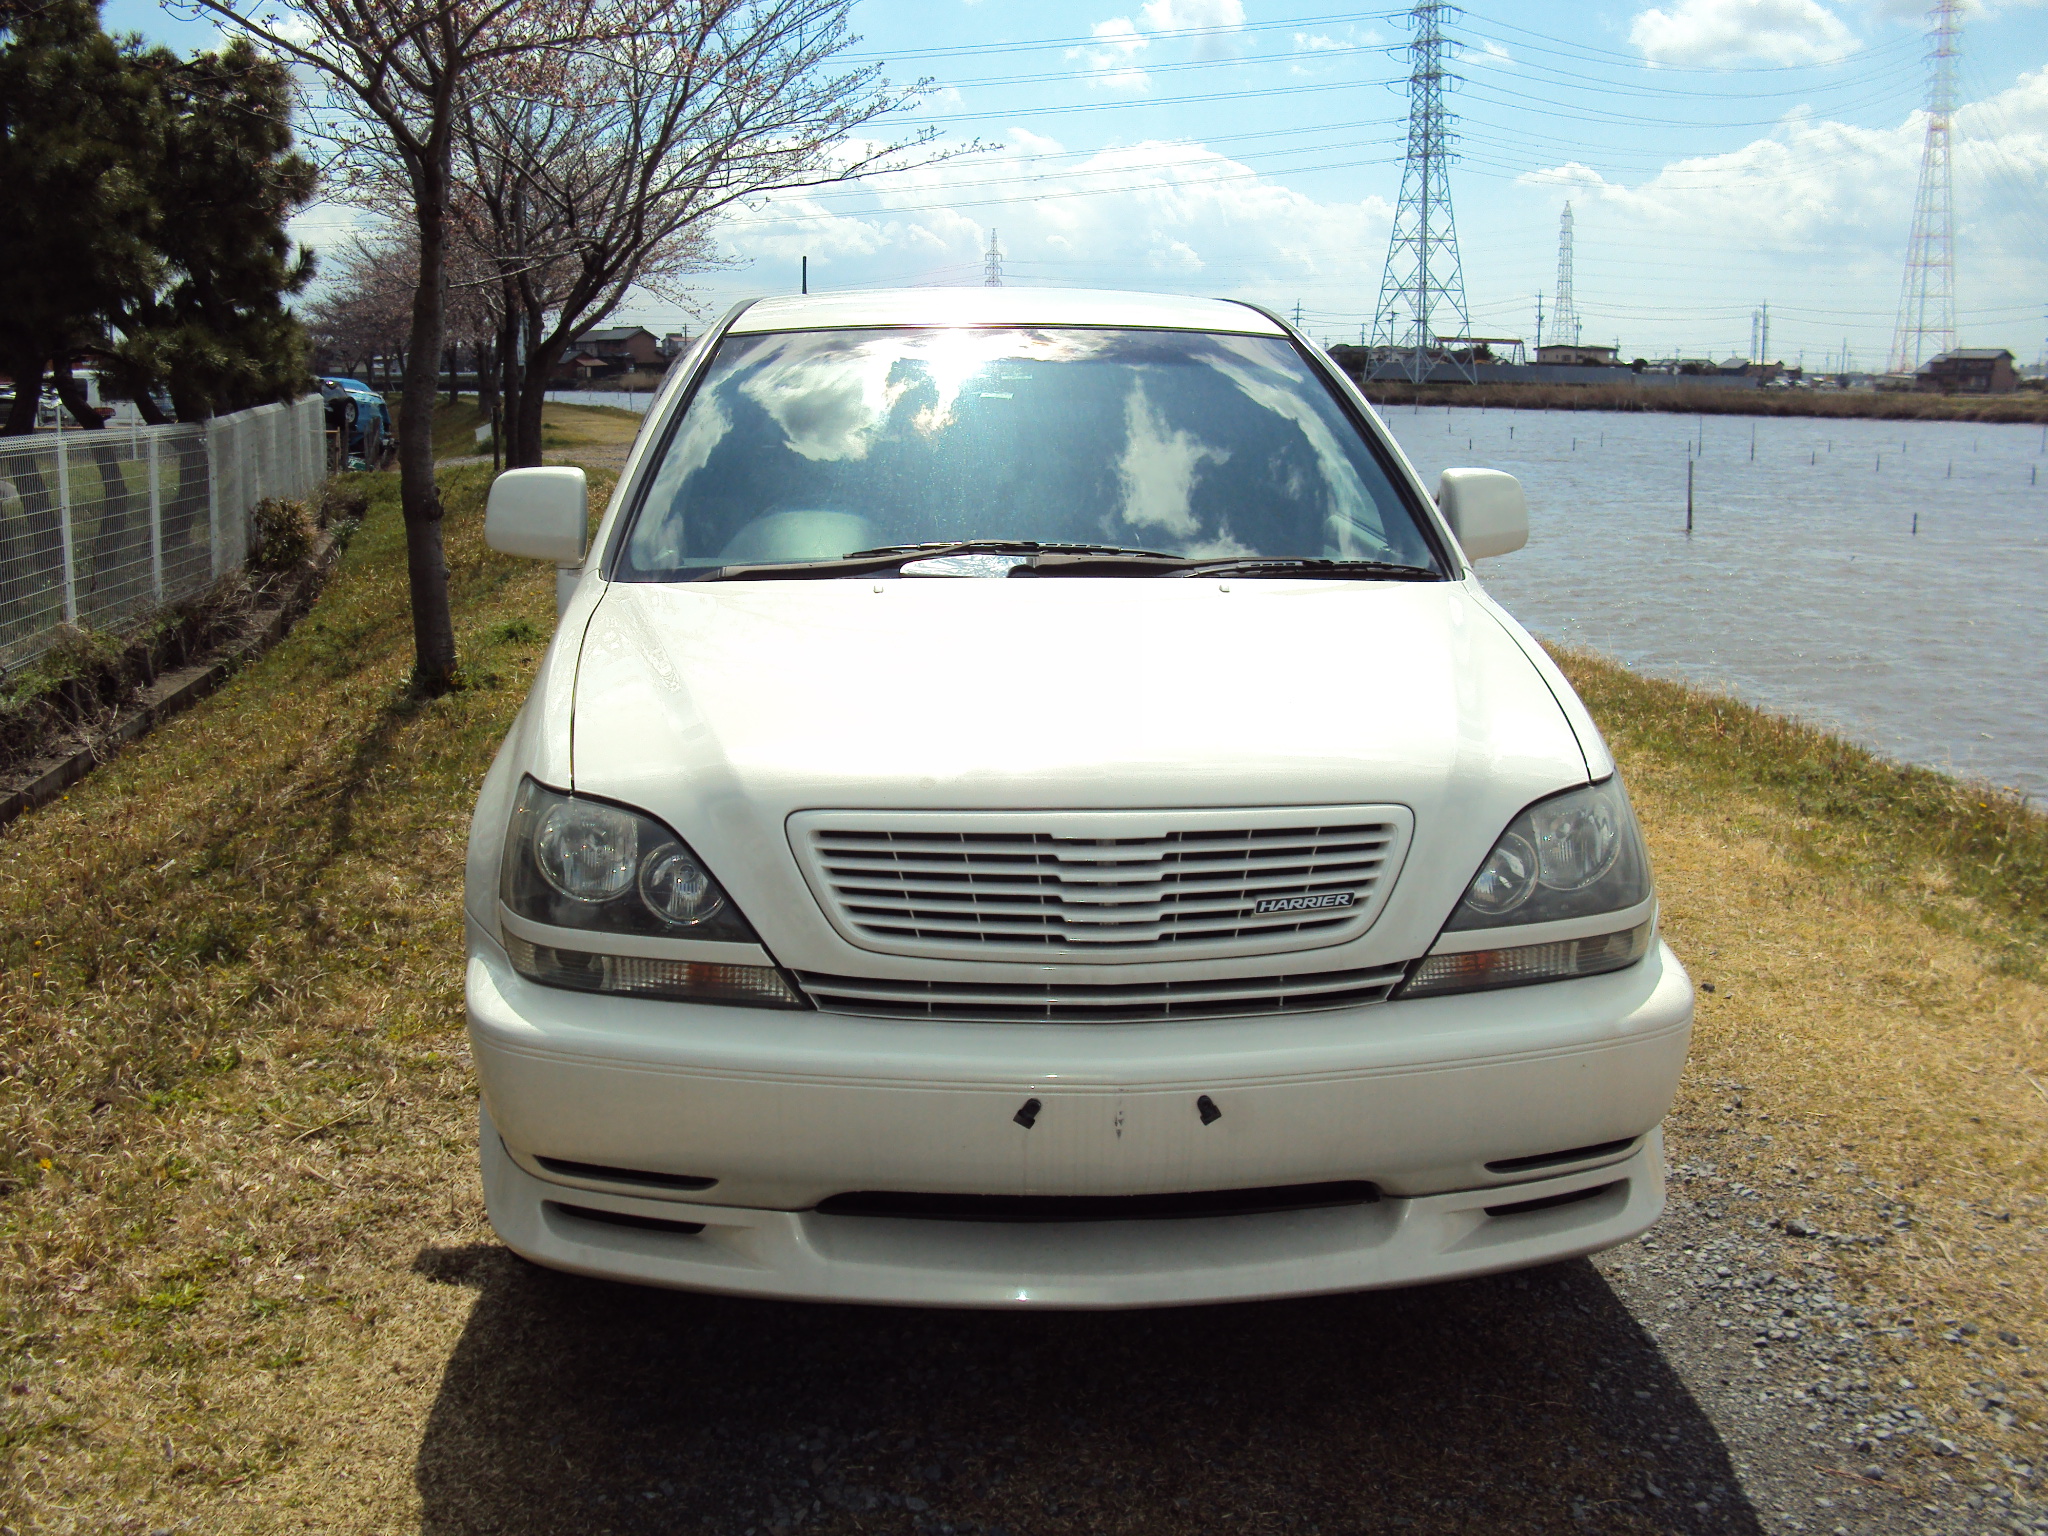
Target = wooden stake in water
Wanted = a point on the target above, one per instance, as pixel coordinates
(1951, 470)
(1688, 498)
(1916, 525)
(1752, 442)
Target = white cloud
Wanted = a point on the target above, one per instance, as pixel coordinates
(1109, 57)
(1218, 21)
(1723, 32)
(1487, 53)
(1822, 195)
(1216, 27)
(1176, 216)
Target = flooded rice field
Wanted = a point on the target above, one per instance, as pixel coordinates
(1887, 580)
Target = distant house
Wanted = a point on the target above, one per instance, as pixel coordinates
(1574, 356)
(1968, 371)
(615, 349)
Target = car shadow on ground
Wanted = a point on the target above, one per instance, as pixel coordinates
(1529, 1402)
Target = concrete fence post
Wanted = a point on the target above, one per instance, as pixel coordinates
(214, 432)
(64, 528)
(156, 524)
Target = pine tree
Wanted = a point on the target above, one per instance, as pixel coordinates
(146, 202)
(76, 124)
(214, 331)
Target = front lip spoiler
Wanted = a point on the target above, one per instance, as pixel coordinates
(1072, 1265)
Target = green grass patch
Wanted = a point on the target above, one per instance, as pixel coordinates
(1885, 823)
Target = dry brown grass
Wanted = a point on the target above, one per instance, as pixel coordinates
(235, 1104)
(1876, 1042)
(238, 1116)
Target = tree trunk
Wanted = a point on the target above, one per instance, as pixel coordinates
(541, 357)
(72, 393)
(28, 394)
(119, 551)
(433, 626)
(485, 354)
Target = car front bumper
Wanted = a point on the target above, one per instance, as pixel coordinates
(777, 1111)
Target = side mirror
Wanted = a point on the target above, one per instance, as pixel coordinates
(543, 514)
(1485, 508)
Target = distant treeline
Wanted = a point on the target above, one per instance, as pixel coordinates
(2024, 406)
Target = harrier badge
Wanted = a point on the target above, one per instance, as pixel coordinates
(1303, 903)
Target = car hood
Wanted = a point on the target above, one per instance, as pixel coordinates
(724, 707)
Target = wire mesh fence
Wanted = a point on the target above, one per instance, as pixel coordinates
(99, 528)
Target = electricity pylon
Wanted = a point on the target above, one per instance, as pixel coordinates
(1424, 278)
(1927, 297)
(993, 263)
(1564, 314)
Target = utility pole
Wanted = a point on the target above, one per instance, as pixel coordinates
(1539, 319)
(1927, 296)
(993, 263)
(1297, 314)
(1422, 251)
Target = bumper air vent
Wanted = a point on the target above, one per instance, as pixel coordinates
(1101, 885)
(1057, 1208)
(1558, 1159)
(622, 1219)
(1099, 1002)
(599, 1174)
(1552, 1202)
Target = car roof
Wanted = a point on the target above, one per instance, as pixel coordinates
(1002, 306)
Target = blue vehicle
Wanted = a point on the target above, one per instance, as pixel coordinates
(359, 414)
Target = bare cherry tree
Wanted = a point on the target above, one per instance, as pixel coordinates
(396, 76)
(365, 311)
(605, 170)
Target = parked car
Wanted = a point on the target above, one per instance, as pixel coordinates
(359, 413)
(1029, 805)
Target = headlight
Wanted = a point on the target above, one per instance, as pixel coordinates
(1577, 854)
(1574, 855)
(574, 862)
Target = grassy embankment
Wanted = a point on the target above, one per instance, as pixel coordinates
(593, 434)
(238, 1120)
(2025, 406)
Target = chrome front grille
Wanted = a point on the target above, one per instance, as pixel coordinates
(1099, 1003)
(1101, 885)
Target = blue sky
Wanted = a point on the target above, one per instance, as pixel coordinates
(1718, 154)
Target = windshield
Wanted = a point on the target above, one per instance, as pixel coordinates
(812, 445)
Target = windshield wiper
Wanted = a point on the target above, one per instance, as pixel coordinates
(1067, 560)
(890, 557)
(1343, 570)
(1004, 547)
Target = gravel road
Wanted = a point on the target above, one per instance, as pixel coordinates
(1685, 1383)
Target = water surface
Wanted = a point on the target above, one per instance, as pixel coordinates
(1804, 587)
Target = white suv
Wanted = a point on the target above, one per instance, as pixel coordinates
(1028, 805)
